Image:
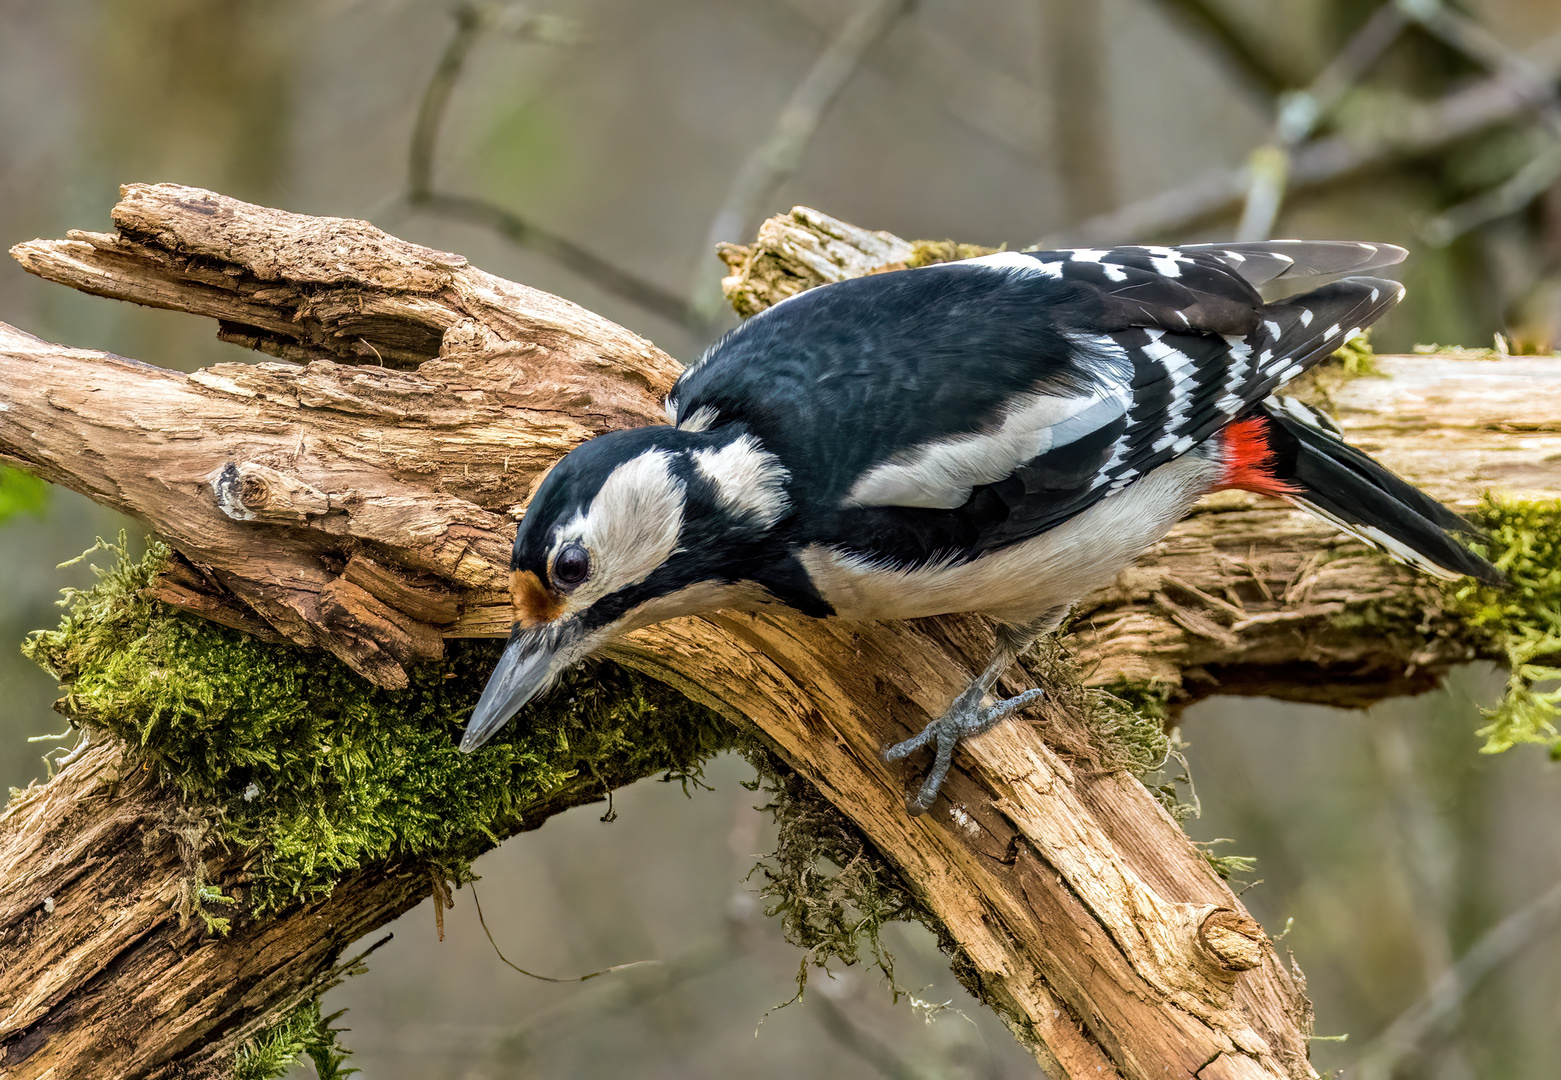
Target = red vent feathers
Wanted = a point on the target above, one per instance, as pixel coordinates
(1249, 460)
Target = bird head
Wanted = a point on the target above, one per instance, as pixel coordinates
(630, 528)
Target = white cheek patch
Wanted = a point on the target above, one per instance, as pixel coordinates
(630, 528)
(749, 480)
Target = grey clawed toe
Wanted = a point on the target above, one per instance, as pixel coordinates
(963, 719)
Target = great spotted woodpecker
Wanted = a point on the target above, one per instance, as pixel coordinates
(1000, 435)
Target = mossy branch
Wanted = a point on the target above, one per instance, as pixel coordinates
(314, 773)
(363, 511)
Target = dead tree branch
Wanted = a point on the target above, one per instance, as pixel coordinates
(366, 509)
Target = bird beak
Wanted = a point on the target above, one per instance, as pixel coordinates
(531, 660)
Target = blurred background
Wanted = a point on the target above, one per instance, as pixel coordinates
(598, 149)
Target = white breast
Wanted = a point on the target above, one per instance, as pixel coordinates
(1020, 583)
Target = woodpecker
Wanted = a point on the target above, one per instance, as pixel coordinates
(1000, 435)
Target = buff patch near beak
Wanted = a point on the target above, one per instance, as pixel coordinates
(535, 604)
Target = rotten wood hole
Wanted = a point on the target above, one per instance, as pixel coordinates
(360, 497)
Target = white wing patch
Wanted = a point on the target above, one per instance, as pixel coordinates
(630, 528)
(1175, 363)
(940, 475)
(748, 479)
(1236, 375)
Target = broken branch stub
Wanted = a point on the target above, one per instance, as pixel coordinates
(315, 465)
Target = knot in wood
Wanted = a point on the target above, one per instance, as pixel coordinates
(1233, 941)
(249, 491)
(254, 492)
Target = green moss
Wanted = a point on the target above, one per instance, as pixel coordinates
(929, 252)
(831, 889)
(270, 1055)
(1356, 357)
(294, 757)
(1128, 722)
(1461, 352)
(1521, 622)
(1226, 866)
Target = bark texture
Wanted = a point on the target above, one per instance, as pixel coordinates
(361, 498)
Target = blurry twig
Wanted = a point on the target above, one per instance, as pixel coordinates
(1252, 61)
(1300, 112)
(471, 22)
(1423, 852)
(1080, 114)
(969, 88)
(860, 1041)
(1536, 175)
(618, 996)
(1429, 127)
(547, 978)
(777, 157)
(1532, 180)
(1469, 37)
(1500, 943)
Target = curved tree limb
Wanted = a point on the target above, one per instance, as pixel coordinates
(366, 509)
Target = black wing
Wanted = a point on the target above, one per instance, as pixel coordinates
(963, 407)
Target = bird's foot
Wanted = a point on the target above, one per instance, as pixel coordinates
(961, 721)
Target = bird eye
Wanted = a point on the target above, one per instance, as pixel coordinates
(571, 567)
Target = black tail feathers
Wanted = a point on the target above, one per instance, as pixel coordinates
(1341, 484)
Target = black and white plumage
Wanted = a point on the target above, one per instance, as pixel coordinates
(999, 435)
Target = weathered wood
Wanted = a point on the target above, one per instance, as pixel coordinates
(102, 972)
(1078, 907)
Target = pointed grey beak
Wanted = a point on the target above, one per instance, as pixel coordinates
(530, 661)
